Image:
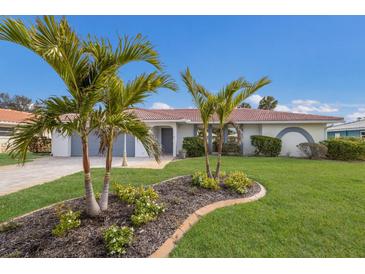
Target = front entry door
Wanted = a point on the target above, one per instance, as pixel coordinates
(166, 140)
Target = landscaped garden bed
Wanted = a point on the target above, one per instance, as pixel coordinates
(33, 235)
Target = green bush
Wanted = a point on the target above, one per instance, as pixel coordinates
(194, 146)
(146, 211)
(201, 179)
(238, 181)
(265, 145)
(144, 198)
(313, 150)
(130, 194)
(345, 149)
(68, 220)
(117, 239)
(231, 149)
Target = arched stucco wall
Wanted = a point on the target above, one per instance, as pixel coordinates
(299, 130)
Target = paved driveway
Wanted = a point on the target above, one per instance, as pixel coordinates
(45, 169)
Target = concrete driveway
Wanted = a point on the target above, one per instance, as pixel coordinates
(46, 169)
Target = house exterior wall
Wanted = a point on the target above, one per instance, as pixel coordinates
(292, 139)
(3, 143)
(248, 131)
(61, 145)
(183, 130)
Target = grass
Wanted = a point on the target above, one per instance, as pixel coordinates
(312, 208)
(5, 159)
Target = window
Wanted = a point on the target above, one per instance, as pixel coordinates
(6, 131)
(337, 135)
(362, 134)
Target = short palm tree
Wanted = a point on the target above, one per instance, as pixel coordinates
(268, 103)
(116, 117)
(56, 43)
(205, 102)
(229, 98)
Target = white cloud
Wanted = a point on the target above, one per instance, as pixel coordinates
(254, 99)
(307, 106)
(282, 108)
(360, 113)
(160, 105)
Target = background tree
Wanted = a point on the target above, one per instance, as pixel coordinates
(227, 100)
(205, 102)
(244, 105)
(84, 77)
(17, 102)
(268, 103)
(117, 117)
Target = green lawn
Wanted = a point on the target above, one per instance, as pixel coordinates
(312, 208)
(5, 159)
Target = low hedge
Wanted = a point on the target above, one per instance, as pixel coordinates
(194, 146)
(345, 149)
(231, 149)
(266, 145)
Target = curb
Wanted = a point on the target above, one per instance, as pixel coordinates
(165, 249)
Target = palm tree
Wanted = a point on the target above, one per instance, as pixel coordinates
(57, 44)
(244, 105)
(227, 101)
(117, 117)
(205, 102)
(268, 103)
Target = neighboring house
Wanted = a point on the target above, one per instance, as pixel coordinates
(8, 120)
(170, 126)
(351, 129)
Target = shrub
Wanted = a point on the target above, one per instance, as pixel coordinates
(265, 145)
(231, 149)
(68, 220)
(201, 179)
(346, 149)
(146, 208)
(131, 194)
(117, 239)
(313, 151)
(238, 181)
(40, 144)
(194, 146)
(146, 211)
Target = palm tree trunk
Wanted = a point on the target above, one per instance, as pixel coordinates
(108, 165)
(220, 146)
(207, 165)
(92, 207)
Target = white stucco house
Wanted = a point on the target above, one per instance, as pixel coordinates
(170, 126)
(8, 120)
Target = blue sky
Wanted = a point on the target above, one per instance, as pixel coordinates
(316, 64)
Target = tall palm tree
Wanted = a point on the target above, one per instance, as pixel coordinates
(57, 44)
(229, 98)
(268, 103)
(205, 102)
(117, 117)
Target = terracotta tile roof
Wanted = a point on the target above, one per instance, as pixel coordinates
(13, 116)
(238, 115)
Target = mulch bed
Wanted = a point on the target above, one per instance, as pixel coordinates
(33, 237)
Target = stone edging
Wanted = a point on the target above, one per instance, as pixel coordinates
(165, 249)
